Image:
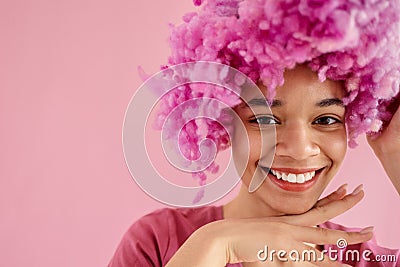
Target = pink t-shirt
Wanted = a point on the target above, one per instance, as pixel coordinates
(154, 239)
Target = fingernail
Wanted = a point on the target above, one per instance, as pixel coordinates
(357, 189)
(342, 189)
(367, 230)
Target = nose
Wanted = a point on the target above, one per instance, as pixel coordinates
(296, 141)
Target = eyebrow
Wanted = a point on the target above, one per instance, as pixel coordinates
(263, 102)
(277, 103)
(330, 102)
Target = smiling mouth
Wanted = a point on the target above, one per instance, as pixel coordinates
(293, 180)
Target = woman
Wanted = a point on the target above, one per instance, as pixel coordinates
(309, 114)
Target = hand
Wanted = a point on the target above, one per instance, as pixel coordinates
(326, 208)
(386, 146)
(239, 240)
(245, 238)
(388, 141)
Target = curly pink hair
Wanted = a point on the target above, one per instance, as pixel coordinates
(356, 41)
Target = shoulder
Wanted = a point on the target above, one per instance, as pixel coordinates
(369, 253)
(193, 216)
(178, 221)
(154, 238)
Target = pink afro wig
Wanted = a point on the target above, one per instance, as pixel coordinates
(356, 41)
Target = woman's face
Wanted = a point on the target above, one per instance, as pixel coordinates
(310, 141)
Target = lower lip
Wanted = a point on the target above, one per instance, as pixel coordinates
(293, 187)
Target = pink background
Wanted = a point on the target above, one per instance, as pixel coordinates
(68, 70)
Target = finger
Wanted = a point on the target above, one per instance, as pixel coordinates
(321, 214)
(322, 236)
(313, 216)
(338, 194)
(393, 126)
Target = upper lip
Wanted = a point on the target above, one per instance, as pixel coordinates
(296, 170)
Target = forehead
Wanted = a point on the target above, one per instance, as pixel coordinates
(304, 82)
(301, 84)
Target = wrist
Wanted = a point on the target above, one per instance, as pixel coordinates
(390, 163)
(385, 152)
(211, 236)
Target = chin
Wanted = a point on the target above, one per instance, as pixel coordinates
(291, 208)
(298, 209)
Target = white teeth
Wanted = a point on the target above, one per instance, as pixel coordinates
(291, 178)
(300, 178)
(294, 178)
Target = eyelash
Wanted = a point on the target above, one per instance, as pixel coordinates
(335, 120)
(270, 118)
(332, 121)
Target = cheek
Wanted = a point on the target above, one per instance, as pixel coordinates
(255, 145)
(240, 147)
(334, 146)
(246, 149)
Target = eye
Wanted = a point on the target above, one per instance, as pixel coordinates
(264, 120)
(326, 120)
